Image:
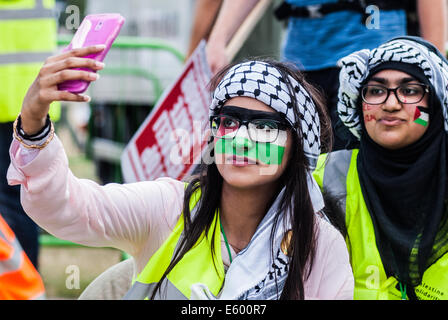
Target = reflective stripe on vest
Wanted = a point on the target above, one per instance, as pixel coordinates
(141, 291)
(334, 179)
(27, 29)
(28, 33)
(371, 281)
(16, 13)
(19, 280)
(24, 57)
(14, 259)
(198, 265)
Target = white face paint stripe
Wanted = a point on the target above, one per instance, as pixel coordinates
(242, 132)
(281, 138)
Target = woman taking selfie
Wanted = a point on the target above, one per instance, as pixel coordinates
(392, 189)
(225, 234)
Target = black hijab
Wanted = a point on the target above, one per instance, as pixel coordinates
(405, 192)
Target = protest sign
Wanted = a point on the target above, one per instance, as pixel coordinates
(170, 141)
(173, 137)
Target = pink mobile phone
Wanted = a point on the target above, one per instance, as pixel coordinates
(95, 29)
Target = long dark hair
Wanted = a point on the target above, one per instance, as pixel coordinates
(295, 200)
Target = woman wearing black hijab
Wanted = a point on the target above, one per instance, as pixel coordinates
(392, 190)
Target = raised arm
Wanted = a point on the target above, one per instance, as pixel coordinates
(205, 15)
(132, 217)
(432, 16)
(230, 17)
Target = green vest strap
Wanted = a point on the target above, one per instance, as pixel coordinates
(24, 57)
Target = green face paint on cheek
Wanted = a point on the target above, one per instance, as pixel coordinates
(266, 153)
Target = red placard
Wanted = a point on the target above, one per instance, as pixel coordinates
(171, 140)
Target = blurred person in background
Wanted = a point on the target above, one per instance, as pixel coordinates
(263, 42)
(28, 31)
(320, 32)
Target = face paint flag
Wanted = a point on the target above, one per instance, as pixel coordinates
(261, 152)
(421, 116)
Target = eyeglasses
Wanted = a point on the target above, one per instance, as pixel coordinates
(405, 93)
(260, 130)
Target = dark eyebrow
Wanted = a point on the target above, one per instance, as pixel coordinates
(408, 79)
(385, 81)
(380, 80)
(248, 114)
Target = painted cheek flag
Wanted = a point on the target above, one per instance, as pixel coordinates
(421, 116)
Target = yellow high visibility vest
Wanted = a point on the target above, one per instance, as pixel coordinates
(337, 173)
(198, 265)
(28, 32)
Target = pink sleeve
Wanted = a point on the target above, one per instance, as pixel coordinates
(331, 277)
(132, 217)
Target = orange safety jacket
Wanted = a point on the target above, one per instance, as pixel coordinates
(19, 280)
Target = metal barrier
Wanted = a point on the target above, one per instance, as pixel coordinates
(47, 240)
(111, 149)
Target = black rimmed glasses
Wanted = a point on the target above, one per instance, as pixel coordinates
(405, 93)
(259, 130)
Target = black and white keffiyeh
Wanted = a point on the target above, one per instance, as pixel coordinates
(262, 81)
(355, 69)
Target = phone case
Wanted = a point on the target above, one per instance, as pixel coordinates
(95, 29)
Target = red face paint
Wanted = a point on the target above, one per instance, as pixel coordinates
(367, 107)
(369, 117)
(421, 116)
(417, 113)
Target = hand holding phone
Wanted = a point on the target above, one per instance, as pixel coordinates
(95, 29)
